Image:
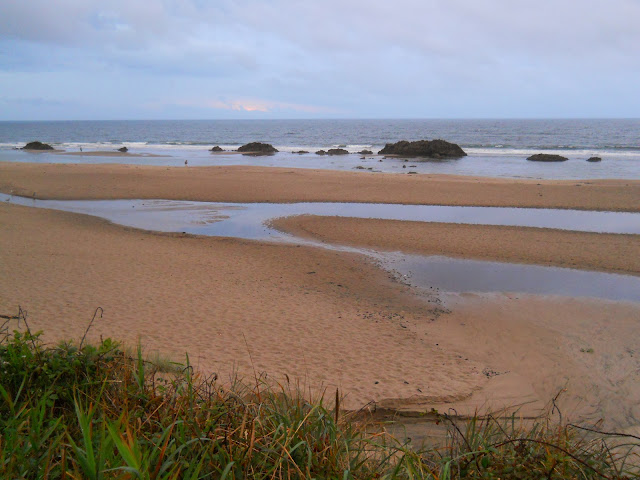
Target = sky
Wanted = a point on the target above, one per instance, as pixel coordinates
(210, 59)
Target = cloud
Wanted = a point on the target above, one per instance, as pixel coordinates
(373, 57)
(253, 105)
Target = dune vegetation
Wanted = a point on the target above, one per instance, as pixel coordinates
(80, 410)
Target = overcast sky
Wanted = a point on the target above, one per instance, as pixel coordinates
(200, 59)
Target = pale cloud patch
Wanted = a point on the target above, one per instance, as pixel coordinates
(255, 105)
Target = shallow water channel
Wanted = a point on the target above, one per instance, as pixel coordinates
(249, 221)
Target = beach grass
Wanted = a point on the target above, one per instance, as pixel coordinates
(81, 410)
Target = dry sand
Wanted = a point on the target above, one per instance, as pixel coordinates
(542, 246)
(328, 317)
(263, 184)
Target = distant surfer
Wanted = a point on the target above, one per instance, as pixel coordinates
(80, 149)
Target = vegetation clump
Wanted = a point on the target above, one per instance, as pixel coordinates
(81, 411)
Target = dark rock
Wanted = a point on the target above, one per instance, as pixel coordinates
(301, 152)
(547, 157)
(321, 152)
(594, 159)
(258, 148)
(216, 149)
(424, 148)
(123, 149)
(365, 152)
(37, 146)
(337, 151)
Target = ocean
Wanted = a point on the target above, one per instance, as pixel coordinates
(495, 148)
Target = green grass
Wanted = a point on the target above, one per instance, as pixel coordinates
(99, 412)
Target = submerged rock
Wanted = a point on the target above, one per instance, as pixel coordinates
(321, 152)
(424, 148)
(257, 148)
(547, 157)
(123, 149)
(365, 152)
(37, 146)
(216, 149)
(594, 159)
(300, 152)
(337, 151)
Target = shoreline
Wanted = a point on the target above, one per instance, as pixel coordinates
(241, 184)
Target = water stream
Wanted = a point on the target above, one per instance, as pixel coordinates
(429, 273)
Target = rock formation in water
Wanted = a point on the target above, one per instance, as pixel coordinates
(594, 159)
(37, 146)
(365, 152)
(257, 148)
(123, 149)
(321, 152)
(547, 157)
(216, 149)
(337, 151)
(424, 148)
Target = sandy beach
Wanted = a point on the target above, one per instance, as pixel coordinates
(234, 306)
(330, 318)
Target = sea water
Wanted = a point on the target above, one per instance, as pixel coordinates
(495, 148)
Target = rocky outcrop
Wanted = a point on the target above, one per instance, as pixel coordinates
(594, 159)
(424, 148)
(337, 151)
(547, 157)
(37, 146)
(301, 152)
(216, 149)
(365, 152)
(123, 149)
(257, 148)
(321, 152)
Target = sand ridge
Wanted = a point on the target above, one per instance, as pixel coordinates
(281, 185)
(542, 246)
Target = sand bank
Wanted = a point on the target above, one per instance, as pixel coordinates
(263, 184)
(542, 246)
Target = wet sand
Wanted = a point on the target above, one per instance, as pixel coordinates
(541, 246)
(102, 153)
(328, 318)
(278, 185)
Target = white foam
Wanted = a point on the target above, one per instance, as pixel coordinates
(516, 152)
